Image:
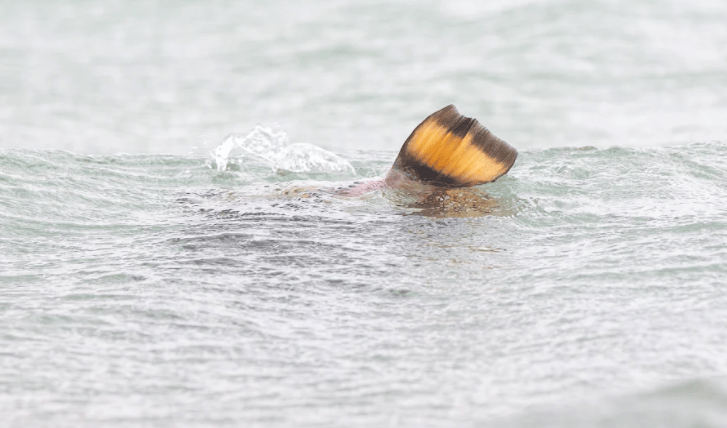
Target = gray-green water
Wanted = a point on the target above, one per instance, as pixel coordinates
(199, 288)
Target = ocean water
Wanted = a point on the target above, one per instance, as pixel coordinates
(166, 261)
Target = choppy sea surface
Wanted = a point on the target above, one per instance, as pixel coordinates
(165, 261)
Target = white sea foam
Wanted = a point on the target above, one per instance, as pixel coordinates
(271, 147)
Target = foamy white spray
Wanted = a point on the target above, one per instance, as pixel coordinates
(271, 147)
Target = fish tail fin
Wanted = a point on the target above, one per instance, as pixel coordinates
(453, 150)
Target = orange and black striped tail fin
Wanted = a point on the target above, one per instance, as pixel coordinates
(452, 150)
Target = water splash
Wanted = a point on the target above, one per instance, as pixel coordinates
(272, 149)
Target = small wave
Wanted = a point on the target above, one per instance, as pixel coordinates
(271, 147)
(690, 403)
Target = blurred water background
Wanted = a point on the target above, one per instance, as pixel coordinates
(157, 76)
(155, 271)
